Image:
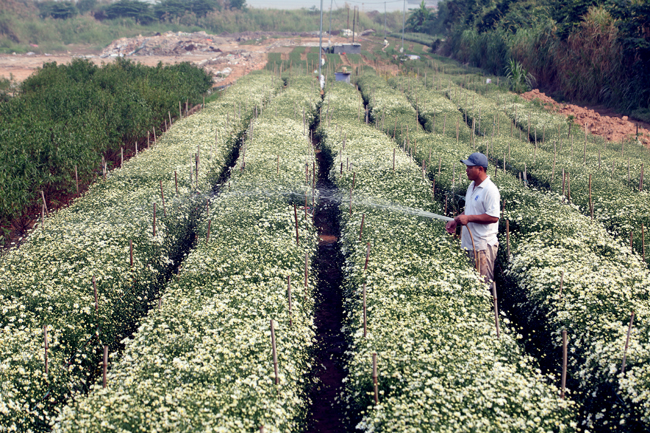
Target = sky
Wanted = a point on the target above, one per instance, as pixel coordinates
(391, 5)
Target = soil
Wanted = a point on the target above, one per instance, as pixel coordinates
(235, 51)
(330, 347)
(600, 121)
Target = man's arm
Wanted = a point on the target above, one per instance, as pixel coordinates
(477, 219)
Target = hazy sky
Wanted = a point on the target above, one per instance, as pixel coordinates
(391, 5)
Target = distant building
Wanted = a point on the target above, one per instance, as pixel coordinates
(344, 48)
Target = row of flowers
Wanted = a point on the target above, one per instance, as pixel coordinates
(564, 272)
(440, 364)
(87, 274)
(615, 201)
(205, 359)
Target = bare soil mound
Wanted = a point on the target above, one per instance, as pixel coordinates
(613, 127)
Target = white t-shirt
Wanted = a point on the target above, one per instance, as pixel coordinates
(484, 199)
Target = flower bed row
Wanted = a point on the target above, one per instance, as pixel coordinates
(204, 361)
(441, 366)
(620, 208)
(48, 282)
(602, 282)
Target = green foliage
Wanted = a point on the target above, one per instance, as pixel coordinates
(58, 10)
(71, 115)
(519, 78)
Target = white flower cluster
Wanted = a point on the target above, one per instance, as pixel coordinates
(441, 366)
(204, 360)
(602, 283)
(616, 199)
(47, 282)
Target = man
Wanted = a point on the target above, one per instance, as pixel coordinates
(481, 216)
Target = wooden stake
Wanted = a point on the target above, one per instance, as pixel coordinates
(365, 323)
(641, 180)
(76, 178)
(154, 219)
(176, 182)
(627, 343)
(295, 214)
(275, 354)
(105, 366)
(564, 363)
(508, 238)
(306, 273)
(131, 251)
(365, 267)
(289, 297)
(496, 307)
(374, 377)
(47, 366)
(591, 205)
(44, 202)
(207, 239)
(95, 292)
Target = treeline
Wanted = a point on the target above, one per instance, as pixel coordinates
(68, 116)
(142, 12)
(586, 50)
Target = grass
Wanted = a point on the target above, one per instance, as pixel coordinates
(19, 30)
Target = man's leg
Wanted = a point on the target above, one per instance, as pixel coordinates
(486, 260)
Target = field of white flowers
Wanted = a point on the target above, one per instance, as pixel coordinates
(603, 281)
(47, 282)
(211, 325)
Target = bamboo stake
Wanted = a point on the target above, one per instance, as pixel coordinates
(105, 366)
(176, 181)
(95, 293)
(365, 267)
(374, 377)
(591, 205)
(47, 366)
(154, 219)
(275, 354)
(207, 239)
(496, 307)
(564, 362)
(365, 323)
(295, 214)
(508, 238)
(306, 273)
(289, 296)
(44, 202)
(627, 343)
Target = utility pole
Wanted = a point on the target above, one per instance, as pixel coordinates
(348, 8)
(320, 47)
(385, 34)
(354, 22)
(329, 33)
(403, 25)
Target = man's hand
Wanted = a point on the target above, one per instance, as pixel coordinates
(462, 219)
(451, 227)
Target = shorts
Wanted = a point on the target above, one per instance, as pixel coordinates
(486, 260)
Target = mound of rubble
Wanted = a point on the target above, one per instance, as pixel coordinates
(167, 44)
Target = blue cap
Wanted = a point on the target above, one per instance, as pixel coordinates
(476, 158)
